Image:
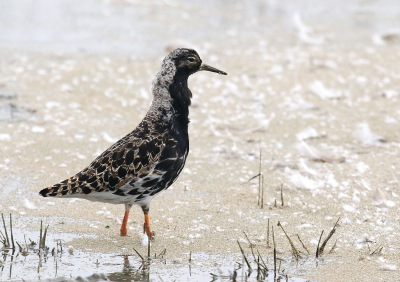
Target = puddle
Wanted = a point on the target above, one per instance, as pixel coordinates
(81, 266)
(60, 262)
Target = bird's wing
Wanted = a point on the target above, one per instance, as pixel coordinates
(132, 156)
(161, 173)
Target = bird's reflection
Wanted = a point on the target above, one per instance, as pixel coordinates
(128, 273)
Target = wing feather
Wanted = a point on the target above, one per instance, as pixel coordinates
(123, 161)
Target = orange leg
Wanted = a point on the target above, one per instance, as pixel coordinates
(124, 222)
(147, 225)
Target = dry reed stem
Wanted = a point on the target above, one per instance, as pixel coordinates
(295, 252)
(5, 231)
(163, 252)
(259, 181)
(333, 247)
(40, 234)
(262, 191)
(321, 249)
(377, 250)
(248, 240)
(268, 235)
(319, 241)
(273, 240)
(302, 243)
(244, 256)
(138, 254)
(11, 232)
(263, 263)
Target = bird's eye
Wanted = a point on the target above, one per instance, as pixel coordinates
(191, 59)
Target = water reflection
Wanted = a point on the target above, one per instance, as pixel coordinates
(128, 270)
(131, 273)
(143, 274)
(49, 259)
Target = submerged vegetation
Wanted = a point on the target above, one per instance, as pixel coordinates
(258, 265)
(254, 266)
(277, 271)
(12, 249)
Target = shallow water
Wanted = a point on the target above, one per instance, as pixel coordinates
(60, 262)
(82, 267)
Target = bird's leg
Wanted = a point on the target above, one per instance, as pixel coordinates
(147, 224)
(125, 220)
(146, 221)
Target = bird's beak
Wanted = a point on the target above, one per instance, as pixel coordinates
(209, 68)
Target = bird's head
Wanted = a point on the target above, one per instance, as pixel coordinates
(187, 62)
(171, 80)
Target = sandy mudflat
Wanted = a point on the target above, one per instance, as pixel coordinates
(339, 95)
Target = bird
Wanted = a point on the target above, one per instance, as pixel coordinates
(150, 158)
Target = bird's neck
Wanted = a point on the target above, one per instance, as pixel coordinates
(181, 95)
(171, 99)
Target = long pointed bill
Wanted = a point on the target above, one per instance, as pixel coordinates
(205, 67)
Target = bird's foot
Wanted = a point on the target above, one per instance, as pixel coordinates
(150, 235)
(123, 231)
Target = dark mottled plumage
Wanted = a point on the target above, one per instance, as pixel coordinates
(150, 158)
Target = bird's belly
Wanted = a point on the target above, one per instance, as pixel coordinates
(111, 198)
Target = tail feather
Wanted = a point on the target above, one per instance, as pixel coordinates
(67, 187)
(47, 191)
(59, 189)
(81, 183)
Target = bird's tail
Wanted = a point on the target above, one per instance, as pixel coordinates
(65, 187)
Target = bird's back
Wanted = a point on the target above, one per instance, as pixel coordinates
(143, 163)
